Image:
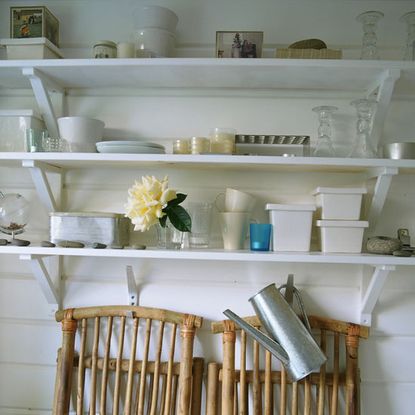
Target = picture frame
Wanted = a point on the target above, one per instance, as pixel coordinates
(239, 44)
(34, 21)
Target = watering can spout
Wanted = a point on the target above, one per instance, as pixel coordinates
(264, 340)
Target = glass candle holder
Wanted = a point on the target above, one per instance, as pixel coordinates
(369, 21)
(409, 51)
(324, 146)
(222, 140)
(363, 146)
(181, 146)
(199, 145)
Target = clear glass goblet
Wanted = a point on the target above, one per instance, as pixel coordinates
(324, 146)
(363, 146)
(409, 19)
(369, 21)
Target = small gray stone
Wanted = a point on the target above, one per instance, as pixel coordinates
(3, 242)
(19, 242)
(98, 245)
(138, 246)
(382, 245)
(403, 253)
(47, 244)
(117, 247)
(70, 244)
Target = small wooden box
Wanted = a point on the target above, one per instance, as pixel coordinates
(309, 53)
(34, 21)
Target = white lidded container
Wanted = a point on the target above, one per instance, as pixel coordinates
(339, 202)
(13, 126)
(342, 236)
(291, 226)
(31, 48)
(89, 228)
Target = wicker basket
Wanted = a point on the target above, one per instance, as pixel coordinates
(309, 53)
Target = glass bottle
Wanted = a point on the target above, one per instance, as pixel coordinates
(369, 21)
(362, 146)
(409, 52)
(324, 146)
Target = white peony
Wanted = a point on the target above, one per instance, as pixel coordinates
(146, 201)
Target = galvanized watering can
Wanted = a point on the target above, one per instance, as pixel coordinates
(291, 341)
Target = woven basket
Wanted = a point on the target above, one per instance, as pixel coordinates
(309, 53)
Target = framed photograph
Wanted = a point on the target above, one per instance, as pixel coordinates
(239, 44)
(35, 21)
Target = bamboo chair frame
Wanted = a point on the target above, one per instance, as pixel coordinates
(139, 386)
(270, 391)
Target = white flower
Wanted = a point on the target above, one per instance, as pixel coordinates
(146, 201)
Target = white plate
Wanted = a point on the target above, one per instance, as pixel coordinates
(130, 149)
(129, 143)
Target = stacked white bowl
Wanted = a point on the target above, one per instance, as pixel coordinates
(154, 34)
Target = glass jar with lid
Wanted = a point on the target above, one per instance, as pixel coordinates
(105, 49)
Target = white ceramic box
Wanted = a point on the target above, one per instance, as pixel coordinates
(13, 125)
(341, 236)
(339, 203)
(291, 226)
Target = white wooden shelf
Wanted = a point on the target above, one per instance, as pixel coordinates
(214, 255)
(211, 73)
(269, 163)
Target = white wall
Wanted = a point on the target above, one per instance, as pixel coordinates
(28, 335)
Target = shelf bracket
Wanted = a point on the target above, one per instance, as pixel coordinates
(38, 172)
(132, 286)
(39, 81)
(373, 291)
(42, 276)
(383, 181)
(384, 86)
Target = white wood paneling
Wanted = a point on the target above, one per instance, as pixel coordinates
(29, 336)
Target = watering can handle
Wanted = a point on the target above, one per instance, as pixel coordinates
(264, 340)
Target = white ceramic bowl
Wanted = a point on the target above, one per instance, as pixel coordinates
(155, 16)
(81, 133)
(159, 42)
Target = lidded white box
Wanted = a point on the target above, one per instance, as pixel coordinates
(291, 226)
(13, 126)
(342, 236)
(31, 48)
(339, 202)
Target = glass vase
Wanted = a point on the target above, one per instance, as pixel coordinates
(169, 237)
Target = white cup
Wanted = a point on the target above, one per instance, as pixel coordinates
(234, 227)
(236, 201)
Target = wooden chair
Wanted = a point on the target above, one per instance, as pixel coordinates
(259, 388)
(123, 359)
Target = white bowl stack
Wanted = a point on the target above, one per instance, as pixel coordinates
(154, 34)
(340, 228)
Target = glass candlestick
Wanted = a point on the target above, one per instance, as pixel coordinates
(369, 21)
(324, 146)
(409, 19)
(362, 146)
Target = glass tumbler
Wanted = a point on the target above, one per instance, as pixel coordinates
(200, 213)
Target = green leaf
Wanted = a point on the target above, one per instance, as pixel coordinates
(179, 199)
(179, 218)
(163, 221)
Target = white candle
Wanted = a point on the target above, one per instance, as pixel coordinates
(125, 50)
